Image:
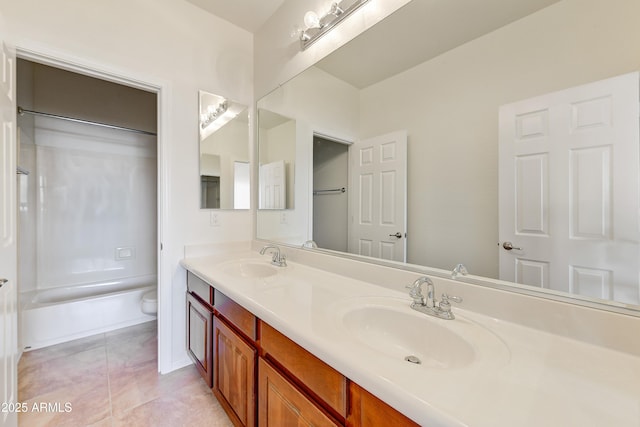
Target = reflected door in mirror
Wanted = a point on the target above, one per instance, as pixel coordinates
(379, 201)
(580, 146)
(273, 185)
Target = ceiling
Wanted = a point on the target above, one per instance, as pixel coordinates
(247, 14)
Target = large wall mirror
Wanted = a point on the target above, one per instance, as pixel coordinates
(520, 123)
(224, 153)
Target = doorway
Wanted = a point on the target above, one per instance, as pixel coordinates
(88, 198)
(330, 195)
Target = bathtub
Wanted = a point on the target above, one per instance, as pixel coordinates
(56, 315)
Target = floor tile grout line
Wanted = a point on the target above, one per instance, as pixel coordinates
(108, 369)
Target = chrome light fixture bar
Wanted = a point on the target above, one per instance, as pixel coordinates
(316, 27)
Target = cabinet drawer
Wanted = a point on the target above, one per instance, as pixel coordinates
(238, 316)
(200, 288)
(366, 410)
(320, 379)
(280, 403)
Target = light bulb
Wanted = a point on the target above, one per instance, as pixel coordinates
(311, 20)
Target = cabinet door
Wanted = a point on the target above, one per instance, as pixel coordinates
(366, 410)
(199, 334)
(234, 374)
(280, 403)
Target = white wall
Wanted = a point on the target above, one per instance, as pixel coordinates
(450, 108)
(175, 46)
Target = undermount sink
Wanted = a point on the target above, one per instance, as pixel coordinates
(252, 269)
(390, 327)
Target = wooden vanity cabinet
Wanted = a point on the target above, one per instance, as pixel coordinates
(366, 410)
(295, 387)
(320, 382)
(234, 374)
(200, 326)
(281, 403)
(235, 354)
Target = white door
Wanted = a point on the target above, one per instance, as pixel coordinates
(8, 245)
(569, 190)
(378, 200)
(273, 185)
(241, 185)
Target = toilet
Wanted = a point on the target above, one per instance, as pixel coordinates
(149, 304)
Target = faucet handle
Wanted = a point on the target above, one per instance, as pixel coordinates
(446, 297)
(416, 292)
(445, 305)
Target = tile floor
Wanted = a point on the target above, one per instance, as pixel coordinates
(112, 380)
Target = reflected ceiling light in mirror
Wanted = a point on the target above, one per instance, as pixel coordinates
(316, 26)
(215, 112)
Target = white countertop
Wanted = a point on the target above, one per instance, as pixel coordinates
(529, 378)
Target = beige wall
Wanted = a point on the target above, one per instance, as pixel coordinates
(86, 98)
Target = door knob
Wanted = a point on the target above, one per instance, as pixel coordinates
(3, 281)
(398, 235)
(509, 246)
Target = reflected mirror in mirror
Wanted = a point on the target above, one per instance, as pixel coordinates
(522, 139)
(224, 153)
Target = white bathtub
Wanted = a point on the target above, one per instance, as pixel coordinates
(56, 315)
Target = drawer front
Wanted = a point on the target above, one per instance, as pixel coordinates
(237, 315)
(319, 378)
(280, 403)
(199, 287)
(369, 411)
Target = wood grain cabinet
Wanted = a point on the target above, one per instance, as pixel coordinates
(366, 410)
(281, 403)
(199, 335)
(235, 357)
(326, 386)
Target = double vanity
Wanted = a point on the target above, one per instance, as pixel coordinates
(339, 342)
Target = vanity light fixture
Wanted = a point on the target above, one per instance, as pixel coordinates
(316, 26)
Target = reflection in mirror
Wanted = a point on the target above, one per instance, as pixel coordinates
(277, 154)
(224, 153)
(494, 182)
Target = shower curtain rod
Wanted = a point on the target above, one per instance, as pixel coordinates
(22, 111)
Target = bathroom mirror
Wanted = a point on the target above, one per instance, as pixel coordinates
(224, 153)
(444, 72)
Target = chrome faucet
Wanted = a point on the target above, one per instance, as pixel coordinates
(310, 244)
(458, 270)
(429, 305)
(277, 259)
